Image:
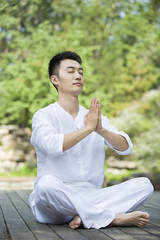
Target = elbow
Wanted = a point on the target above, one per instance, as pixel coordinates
(128, 150)
(125, 147)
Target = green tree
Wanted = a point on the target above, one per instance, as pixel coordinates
(118, 41)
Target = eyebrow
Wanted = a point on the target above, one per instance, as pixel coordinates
(74, 68)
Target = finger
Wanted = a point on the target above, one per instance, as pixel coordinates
(99, 108)
(92, 106)
(99, 112)
(96, 107)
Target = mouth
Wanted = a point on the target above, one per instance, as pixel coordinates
(77, 84)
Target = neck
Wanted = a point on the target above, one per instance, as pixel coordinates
(70, 104)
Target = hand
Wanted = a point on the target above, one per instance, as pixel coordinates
(99, 125)
(91, 118)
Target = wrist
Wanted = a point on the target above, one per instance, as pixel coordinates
(88, 129)
(101, 131)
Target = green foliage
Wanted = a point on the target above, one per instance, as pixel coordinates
(119, 42)
(142, 122)
(25, 171)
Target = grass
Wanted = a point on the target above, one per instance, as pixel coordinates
(26, 171)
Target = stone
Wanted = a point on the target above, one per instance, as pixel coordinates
(15, 147)
(12, 128)
(1, 165)
(20, 132)
(30, 157)
(116, 171)
(2, 154)
(9, 165)
(6, 155)
(122, 164)
(3, 130)
(22, 144)
(12, 155)
(28, 132)
(26, 146)
(21, 165)
(8, 141)
(18, 156)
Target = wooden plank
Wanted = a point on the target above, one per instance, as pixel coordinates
(23, 194)
(16, 226)
(66, 233)
(154, 199)
(153, 206)
(116, 233)
(57, 228)
(18, 200)
(152, 229)
(3, 228)
(138, 233)
(93, 234)
(41, 231)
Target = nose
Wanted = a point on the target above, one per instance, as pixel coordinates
(77, 75)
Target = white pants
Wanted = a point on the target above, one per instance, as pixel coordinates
(55, 202)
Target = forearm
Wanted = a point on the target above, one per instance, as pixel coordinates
(72, 139)
(117, 141)
(90, 122)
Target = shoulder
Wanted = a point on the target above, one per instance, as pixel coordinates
(45, 112)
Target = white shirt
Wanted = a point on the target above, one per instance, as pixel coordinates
(82, 162)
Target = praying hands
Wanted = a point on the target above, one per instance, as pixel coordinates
(92, 119)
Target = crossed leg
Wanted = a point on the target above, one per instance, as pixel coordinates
(137, 218)
(130, 217)
(103, 207)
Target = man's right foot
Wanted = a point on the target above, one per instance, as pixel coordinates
(138, 218)
(76, 222)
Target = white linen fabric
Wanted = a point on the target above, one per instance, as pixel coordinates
(69, 183)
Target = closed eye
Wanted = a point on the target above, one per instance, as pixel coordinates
(81, 72)
(71, 69)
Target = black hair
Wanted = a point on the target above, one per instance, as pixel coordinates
(55, 61)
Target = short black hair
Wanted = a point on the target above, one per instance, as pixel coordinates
(55, 61)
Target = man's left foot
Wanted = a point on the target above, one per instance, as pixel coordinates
(76, 222)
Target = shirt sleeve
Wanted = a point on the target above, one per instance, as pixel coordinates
(44, 136)
(106, 124)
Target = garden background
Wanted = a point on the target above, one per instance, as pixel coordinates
(119, 42)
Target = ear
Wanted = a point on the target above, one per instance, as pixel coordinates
(54, 80)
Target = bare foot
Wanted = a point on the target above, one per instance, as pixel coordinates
(75, 223)
(138, 218)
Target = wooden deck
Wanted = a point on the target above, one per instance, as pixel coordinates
(18, 223)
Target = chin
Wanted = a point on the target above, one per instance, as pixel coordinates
(77, 93)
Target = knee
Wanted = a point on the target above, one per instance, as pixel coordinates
(46, 185)
(147, 186)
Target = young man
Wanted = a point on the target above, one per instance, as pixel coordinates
(70, 146)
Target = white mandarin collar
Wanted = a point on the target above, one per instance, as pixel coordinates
(56, 104)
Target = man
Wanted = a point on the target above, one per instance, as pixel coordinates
(70, 146)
